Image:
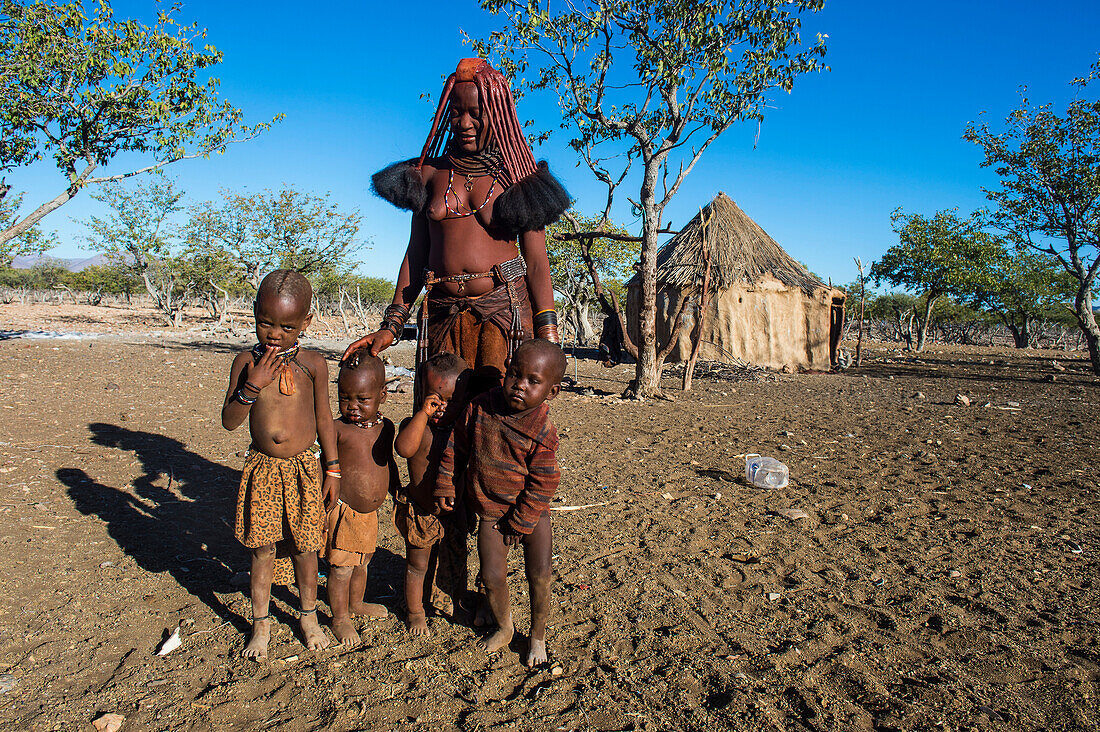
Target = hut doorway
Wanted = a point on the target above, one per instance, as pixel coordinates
(836, 326)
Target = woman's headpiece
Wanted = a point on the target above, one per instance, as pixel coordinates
(498, 114)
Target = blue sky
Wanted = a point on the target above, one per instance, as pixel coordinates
(832, 160)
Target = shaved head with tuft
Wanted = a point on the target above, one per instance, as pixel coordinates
(287, 284)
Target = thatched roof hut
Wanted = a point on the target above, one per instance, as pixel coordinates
(765, 308)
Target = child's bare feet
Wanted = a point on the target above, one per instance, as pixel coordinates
(257, 642)
(501, 638)
(344, 630)
(371, 610)
(315, 638)
(417, 623)
(536, 653)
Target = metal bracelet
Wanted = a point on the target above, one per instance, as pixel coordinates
(548, 332)
(392, 327)
(240, 397)
(546, 317)
(402, 313)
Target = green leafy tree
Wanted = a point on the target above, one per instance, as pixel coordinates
(48, 273)
(225, 225)
(569, 272)
(105, 279)
(82, 87)
(211, 273)
(656, 83)
(958, 322)
(295, 230)
(934, 257)
(1049, 199)
(1028, 288)
(139, 232)
(896, 311)
(278, 229)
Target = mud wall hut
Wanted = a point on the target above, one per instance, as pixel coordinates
(764, 307)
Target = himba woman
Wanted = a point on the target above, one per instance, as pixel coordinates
(475, 195)
(480, 205)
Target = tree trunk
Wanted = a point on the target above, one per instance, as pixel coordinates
(700, 328)
(161, 300)
(1086, 318)
(924, 323)
(862, 311)
(1021, 338)
(35, 216)
(585, 332)
(223, 310)
(343, 315)
(647, 375)
(572, 319)
(609, 302)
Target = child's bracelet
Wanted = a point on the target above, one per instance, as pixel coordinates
(330, 463)
(333, 473)
(240, 397)
(252, 387)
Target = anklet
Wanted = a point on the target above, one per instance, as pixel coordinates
(307, 612)
(265, 617)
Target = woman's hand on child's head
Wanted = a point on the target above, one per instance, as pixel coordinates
(444, 504)
(261, 373)
(377, 342)
(330, 491)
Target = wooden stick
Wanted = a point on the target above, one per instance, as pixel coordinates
(578, 508)
(704, 305)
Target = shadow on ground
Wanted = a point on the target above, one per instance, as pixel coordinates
(176, 517)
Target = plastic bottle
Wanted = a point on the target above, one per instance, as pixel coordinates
(765, 472)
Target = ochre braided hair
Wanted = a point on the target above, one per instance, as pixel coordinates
(498, 113)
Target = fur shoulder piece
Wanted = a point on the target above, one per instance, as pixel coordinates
(401, 185)
(531, 204)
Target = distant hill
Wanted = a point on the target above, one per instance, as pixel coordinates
(73, 265)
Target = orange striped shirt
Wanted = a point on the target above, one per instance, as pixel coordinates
(505, 464)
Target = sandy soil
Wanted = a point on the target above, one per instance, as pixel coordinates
(943, 578)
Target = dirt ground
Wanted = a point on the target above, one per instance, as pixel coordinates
(944, 576)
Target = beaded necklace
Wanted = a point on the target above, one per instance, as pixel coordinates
(472, 167)
(286, 376)
(455, 212)
(367, 425)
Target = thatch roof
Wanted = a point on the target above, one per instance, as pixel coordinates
(740, 251)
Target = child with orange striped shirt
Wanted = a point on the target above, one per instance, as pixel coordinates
(505, 449)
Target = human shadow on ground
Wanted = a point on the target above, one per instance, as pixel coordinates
(177, 517)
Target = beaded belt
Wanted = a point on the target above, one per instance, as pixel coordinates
(504, 273)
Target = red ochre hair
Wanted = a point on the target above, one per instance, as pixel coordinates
(498, 109)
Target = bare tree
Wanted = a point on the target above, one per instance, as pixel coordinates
(656, 83)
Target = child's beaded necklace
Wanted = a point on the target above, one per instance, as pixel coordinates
(367, 425)
(286, 377)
